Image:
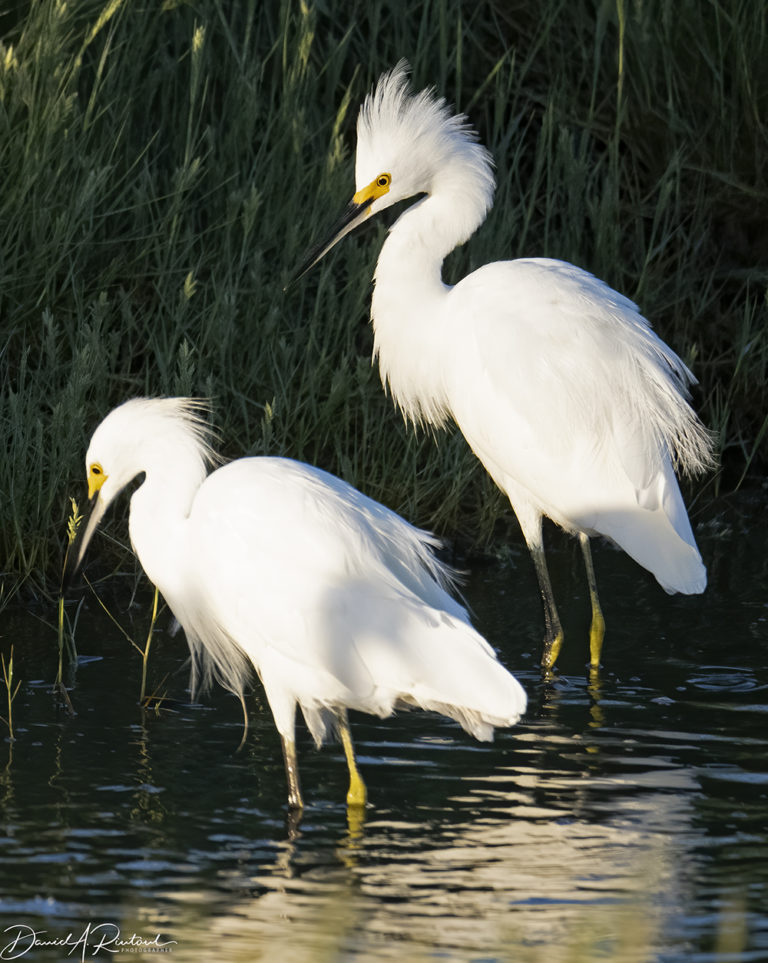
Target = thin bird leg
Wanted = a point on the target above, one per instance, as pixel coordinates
(553, 639)
(530, 523)
(292, 773)
(597, 629)
(357, 794)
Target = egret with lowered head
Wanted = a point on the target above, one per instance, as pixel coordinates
(275, 566)
(577, 409)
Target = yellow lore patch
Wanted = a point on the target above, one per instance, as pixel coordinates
(378, 187)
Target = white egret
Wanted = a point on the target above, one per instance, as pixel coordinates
(577, 409)
(273, 565)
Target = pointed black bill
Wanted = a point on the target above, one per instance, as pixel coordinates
(352, 217)
(76, 551)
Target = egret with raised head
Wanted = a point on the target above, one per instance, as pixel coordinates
(577, 409)
(272, 565)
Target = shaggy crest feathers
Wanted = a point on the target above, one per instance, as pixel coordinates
(418, 140)
(191, 414)
(179, 422)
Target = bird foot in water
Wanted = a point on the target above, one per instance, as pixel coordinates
(552, 649)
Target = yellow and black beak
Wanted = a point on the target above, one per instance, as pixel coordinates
(96, 508)
(358, 211)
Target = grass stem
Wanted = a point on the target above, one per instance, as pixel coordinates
(11, 692)
(145, 653)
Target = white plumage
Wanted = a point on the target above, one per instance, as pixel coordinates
(270, 564)
(577, 409)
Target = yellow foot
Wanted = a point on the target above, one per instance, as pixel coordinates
(596, 636)
(552, 650)
(358, 794)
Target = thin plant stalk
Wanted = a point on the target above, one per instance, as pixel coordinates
(145, 653)
(59, 673)
(154, 700)
(73, 524)
(11, 691)
(67, 640)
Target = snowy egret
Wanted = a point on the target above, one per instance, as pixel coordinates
(334, 600)
(577, 409)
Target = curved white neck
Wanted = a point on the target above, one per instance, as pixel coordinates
(159, 510)
(409, 300)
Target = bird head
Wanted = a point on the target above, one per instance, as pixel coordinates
(407, 144)
(135, 437)
(110, 465)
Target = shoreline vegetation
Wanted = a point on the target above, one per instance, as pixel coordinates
(164, 167)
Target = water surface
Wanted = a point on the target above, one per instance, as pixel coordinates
(624, 818)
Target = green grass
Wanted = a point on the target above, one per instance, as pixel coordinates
(164, 167)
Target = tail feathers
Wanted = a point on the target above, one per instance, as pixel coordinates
(443, 665)
(479, 723)
(649, 538)
(402, 653)
(320, 720)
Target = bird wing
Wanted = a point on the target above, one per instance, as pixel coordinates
(578, 409)
(566, 370)
(335, 600)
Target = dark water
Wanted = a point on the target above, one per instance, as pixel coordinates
(624, 818)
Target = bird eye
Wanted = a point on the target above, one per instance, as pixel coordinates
(96, 478)
(383, 180)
